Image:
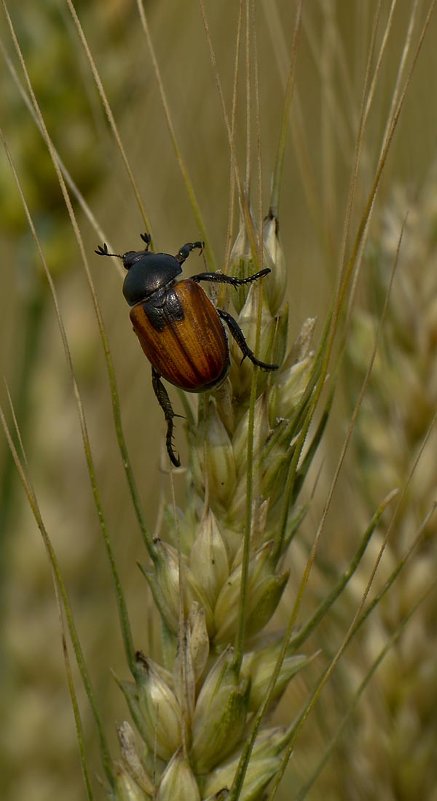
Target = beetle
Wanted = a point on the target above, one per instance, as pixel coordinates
(179, 329)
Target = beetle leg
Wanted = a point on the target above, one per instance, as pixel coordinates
(221, 278)
(238, 335)
(185, 250)
(165, 404)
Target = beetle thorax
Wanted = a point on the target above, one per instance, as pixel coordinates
(148, 273)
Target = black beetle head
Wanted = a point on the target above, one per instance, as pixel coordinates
(131, 257)
(147, 272)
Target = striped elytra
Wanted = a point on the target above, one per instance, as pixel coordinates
(191, 353)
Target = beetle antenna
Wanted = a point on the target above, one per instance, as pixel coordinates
(147, 239)
(102, 250)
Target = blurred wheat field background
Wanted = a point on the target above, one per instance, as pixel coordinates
(385, 747)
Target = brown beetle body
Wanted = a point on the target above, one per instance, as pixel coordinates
(191, 353)
(180, 331)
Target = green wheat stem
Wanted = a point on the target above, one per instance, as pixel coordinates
(123, 614)
(75, 706)
(298, 640)
(179, 158)
(356, 624)
(109, 114)
(394, 638)
(66, 605)
(286, 108)
(239, 640)
(32, 321)
(111, 375)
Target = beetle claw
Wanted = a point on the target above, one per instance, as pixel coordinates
(169, 442)
(174, 458)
